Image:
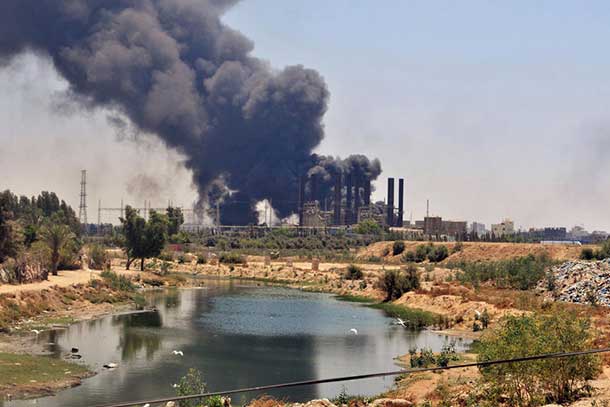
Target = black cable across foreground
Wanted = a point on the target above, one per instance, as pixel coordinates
(360, 377)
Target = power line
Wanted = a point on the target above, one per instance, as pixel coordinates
(360, 377)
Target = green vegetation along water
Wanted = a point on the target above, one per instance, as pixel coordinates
(238, 334)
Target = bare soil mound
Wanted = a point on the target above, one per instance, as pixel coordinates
(476, 251)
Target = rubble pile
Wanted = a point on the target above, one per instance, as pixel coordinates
(581, 282)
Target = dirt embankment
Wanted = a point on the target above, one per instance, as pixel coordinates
(476, 251)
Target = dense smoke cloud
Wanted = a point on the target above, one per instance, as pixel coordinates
(176, 71)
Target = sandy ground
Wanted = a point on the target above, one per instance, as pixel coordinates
(477, 251)
(64, 279)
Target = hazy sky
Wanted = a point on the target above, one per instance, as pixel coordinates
(489, 109)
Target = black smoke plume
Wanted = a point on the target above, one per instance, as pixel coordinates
(176, 71)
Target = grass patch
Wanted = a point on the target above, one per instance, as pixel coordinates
(355, 298)
(22, 369)
(415, 318)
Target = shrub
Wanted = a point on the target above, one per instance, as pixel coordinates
(398, 247)
(117, 281)
(425, 358)
(181, 258)
(438, 253)
(397, 282)
(98, 257)
(408, 257)
(447, 355)
(231, 258)
(522, 273)
(166, 256)
(604, 251)
(421, 252)
(353, 272)
(201, 259)
(191, 383)
(557, 380)
(587, 254)
(458, 247)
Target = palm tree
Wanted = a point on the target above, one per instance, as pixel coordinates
(56, 236)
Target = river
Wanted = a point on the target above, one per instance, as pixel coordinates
(238, 334)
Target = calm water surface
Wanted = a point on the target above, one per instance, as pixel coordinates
(239, 335)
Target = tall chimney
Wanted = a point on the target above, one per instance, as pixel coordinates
(313, 188)
(302, 180)
(401, 195)
(337, 202)
(390, 216)
(356, 198)
(348, 199)
(367, 192)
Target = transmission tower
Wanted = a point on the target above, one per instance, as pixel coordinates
(82, 209)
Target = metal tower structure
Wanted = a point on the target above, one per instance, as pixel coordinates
(82, 208)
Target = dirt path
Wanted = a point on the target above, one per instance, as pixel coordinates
(64, 279)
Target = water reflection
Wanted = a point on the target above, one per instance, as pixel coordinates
(238, 335)
(136, 334)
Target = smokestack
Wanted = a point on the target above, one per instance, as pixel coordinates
(348, 199)
(390, 215)
(367, 192)
(356, 198)
(338, 199)
(313, 188)
(401, 193)
(302, 180)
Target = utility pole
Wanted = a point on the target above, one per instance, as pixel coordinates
(121, 207)
(99, 214)
(82, 208)
(427, 208)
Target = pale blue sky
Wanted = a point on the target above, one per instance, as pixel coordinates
(490, 109)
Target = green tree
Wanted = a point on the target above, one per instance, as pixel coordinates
(369, 227)
(397, 282)
(10, 240)
(155, 236)
(133, 235)
(143, 239)
(537, 382)
(175, 218)
(57, 236)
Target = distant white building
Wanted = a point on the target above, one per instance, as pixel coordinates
(478, 228)
(578, 232)
(506, 227)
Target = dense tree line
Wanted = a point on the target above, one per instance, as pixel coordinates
(41, 228)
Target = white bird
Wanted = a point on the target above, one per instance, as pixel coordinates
(178, 352)
(36, 331)
(174, 385)
(110, 365)
(354, 331)
(146, 405)
(400, 322)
